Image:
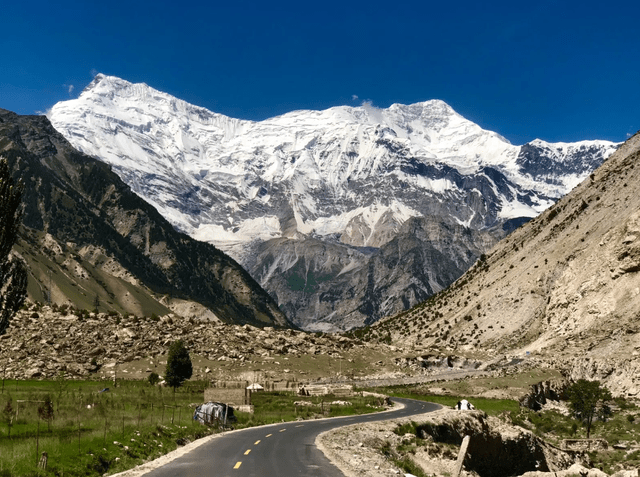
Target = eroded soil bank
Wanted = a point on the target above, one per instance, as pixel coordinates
(432, 441)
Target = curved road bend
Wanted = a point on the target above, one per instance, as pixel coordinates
(283, 450)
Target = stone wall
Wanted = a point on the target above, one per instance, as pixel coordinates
(232, 396)
(584, 444)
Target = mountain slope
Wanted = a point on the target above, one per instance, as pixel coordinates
(347, 177)
(565, 286)
(77, 206)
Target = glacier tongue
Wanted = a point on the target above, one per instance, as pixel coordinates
(345, 178)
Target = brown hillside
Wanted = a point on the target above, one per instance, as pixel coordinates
(564, 287)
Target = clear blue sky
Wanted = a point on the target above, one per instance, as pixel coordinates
(560, 71)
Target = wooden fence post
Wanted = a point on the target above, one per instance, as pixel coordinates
(461, 455)
(38, 440)
(43, 461)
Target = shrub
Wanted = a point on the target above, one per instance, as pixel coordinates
(179, 367)
(153, 379)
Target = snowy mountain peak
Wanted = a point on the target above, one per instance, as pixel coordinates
(346, 175)
(206, 171)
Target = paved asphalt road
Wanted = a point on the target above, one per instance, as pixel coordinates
(281, 450)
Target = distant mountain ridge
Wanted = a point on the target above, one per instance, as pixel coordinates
(342, 182)
(90, 239)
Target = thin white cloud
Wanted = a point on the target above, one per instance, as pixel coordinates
(354, 97)
(70, 89)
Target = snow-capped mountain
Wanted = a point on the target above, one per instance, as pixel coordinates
(310, 200)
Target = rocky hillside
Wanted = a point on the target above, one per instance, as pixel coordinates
(565, 286)
(90, 241)
(44, 341)
(319, 205)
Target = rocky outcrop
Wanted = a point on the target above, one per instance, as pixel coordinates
(621, 376)
(495, 449)
(540, 393)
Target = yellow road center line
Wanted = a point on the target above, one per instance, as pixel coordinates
(282, 430)
(237, 466)
(301, 425)
(268, 435)
(247, 453)
(256, 442)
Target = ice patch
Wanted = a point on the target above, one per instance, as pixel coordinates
(370, 215)
(515, 209)
(261, 228)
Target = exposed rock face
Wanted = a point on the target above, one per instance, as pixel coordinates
(563, 286)
(622, 376)
(494, 450)
(85, 217)
(326, 285)
(540, 393)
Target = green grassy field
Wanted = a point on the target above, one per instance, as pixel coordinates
(493, 407)
(93, 433)
(274, 407)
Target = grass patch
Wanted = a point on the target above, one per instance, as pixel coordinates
(273, 407)
(93, 432)
(407, 464)
(492, 407)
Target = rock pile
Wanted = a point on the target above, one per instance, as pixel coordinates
(41, 343)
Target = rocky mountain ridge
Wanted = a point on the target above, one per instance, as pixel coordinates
(90, 241)
(313, 202)
(564, 287)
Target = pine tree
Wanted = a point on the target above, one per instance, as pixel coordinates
(179, 366)
(13, 271)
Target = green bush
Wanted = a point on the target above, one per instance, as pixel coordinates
(153, 379)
